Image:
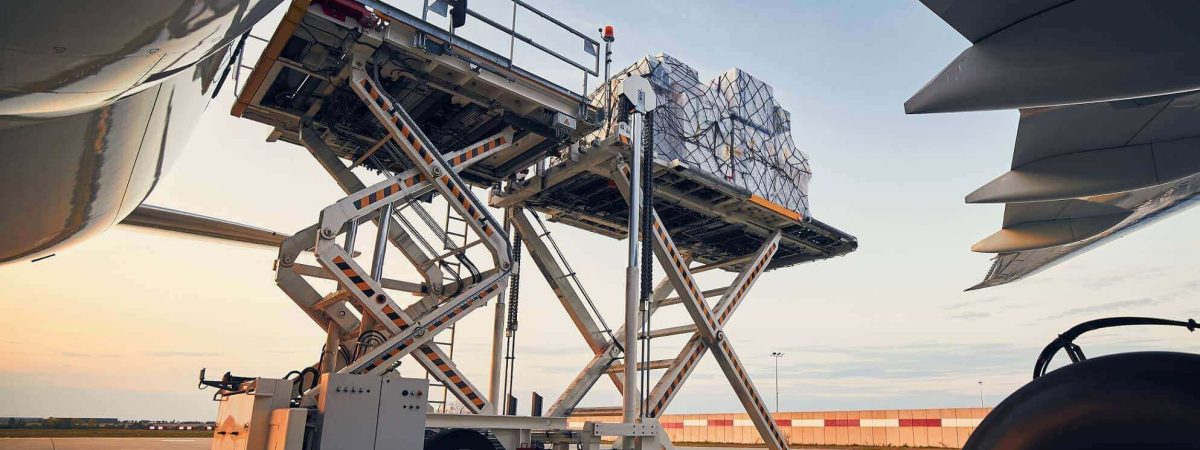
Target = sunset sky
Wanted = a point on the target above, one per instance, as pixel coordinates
(120, 325)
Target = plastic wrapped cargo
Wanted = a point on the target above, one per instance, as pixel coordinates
(730, 127)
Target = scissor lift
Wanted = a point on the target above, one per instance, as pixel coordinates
(366, 85)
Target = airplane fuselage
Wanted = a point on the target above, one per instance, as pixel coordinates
(96, 99)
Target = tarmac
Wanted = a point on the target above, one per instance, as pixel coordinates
(143, 443)
(90, 443)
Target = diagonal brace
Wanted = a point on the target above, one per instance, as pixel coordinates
(706, 324)
(685, 363)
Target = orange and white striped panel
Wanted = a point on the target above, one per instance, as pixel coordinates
(945, 428)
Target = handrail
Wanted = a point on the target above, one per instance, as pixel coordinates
(591, 46)
(594, 71)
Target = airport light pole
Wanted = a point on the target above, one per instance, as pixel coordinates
(981, 394)
(776, 355)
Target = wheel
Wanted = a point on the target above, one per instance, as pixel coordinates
(1142, 400)
(458, 439)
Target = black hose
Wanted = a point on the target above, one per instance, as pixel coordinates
(299, 383)
(458, 282)
(510, 335)
(647, 212)
(233, 57)
(1066, 340)
(366, 341)
(514, 284)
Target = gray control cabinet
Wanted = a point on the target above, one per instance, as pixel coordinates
(359, 412)
(403, 403)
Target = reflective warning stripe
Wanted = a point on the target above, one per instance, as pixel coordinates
(679, 376)
(453, 376)
(394, 316)
(389, 111)
(681, 267)
(377, 196)
(466, 202)
(476, 151)
(745, 380)
(745, 287)
(355, 279)
(400, 347)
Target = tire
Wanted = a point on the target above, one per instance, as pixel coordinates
(1142, 400)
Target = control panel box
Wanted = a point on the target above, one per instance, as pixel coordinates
(403, 403)
(357, 412)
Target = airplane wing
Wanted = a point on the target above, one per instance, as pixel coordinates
(157, 217)
(1136, 209)
(1085, 174)
(1109, 135)
(1030, 53)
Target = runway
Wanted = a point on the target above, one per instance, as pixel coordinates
(147, 444)
(104, 443)
(190, 444)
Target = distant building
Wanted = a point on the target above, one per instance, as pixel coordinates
(193, 426)
(19, 421)
(98, 422)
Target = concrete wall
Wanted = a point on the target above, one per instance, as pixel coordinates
(906, 427)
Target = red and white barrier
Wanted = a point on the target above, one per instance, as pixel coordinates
(947, 428)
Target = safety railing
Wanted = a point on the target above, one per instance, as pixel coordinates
(590, 67)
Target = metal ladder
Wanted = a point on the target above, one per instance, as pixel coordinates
(454, 234)
(452, 241)
(544, 233)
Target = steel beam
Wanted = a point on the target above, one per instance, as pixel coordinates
(706, 322)
(350, 184)
(572, 301)
(685, 363)
(553, 176)
(363, 202)
(440, 173)
(556, 277)
(429, 356)
(583, 382)
(669, 331)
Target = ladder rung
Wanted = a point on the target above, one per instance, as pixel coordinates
(656, 364)
(672, 331)
(708, 293)
(456, 251)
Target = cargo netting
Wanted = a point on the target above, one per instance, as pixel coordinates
(730, 127)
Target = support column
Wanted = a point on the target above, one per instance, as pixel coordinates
(632, 280)
(497, 377)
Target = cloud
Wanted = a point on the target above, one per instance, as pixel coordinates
(983, 307)
(907, 361)
(967, 304)
(1113, 279)
(1189, 285)
(971, 315)
(930, 374)
(182, 354)
(88, 355)
(1110, 306)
